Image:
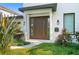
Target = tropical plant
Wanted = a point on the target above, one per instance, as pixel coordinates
(63, 38)
(7, 30)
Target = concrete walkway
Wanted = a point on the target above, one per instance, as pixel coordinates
(32, 44)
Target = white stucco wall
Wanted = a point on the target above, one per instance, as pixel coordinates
(65, 8)
(58, 15)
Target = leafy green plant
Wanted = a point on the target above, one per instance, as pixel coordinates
(77, 34)
(7, 30)
(63, 38)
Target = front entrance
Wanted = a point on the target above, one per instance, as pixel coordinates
(39, 27)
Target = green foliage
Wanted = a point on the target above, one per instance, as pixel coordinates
(20, 42)
(63, 38)
(7, 31)
(77, 33)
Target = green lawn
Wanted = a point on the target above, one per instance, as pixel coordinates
(48, 49)
(54, 49)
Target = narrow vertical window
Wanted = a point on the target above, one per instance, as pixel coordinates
(69, 22)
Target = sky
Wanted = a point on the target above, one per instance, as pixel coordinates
(12, 6)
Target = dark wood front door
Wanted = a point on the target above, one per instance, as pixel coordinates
(39, 27)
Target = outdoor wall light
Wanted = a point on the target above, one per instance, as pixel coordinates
(57, 22)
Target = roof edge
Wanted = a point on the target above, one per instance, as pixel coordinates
(53, 6)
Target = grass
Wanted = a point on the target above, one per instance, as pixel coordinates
(54, 49)
(21, 51)
(47, 49)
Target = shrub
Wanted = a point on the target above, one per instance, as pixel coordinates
(63, 38)
(7, 29)
(77, 33)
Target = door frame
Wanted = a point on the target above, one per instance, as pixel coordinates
(73, 21)
(48, 28)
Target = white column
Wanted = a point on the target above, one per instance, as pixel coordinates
(26, 26)
(51, 25)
